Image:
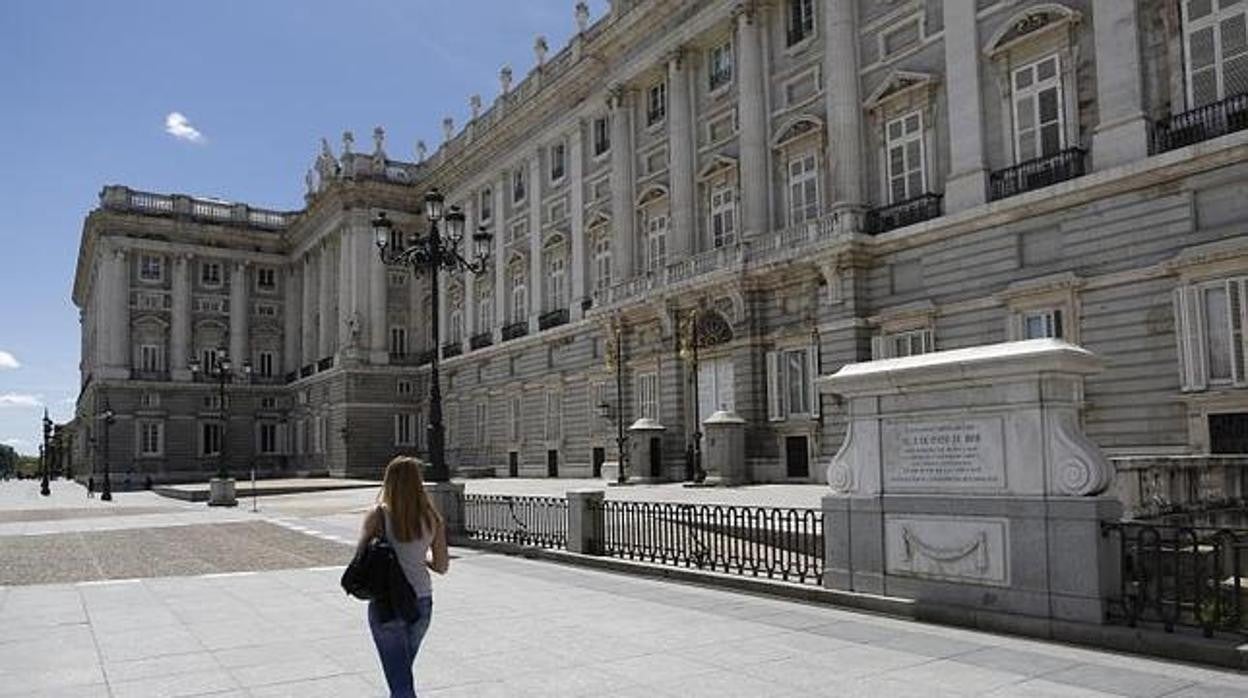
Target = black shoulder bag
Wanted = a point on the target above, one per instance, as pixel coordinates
(374, 574)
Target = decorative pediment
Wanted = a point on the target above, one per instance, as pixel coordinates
(554, 240)
(1028, 23)
(718, 163)
(797, 127)
(600, 216)
(517, 259)
(898, 83)
(651, 194)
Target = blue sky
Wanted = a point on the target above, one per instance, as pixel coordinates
(87, 88)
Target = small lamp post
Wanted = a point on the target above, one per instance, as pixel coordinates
(689, 351)
(107, 416)
(615, 363)
(430, 253)
(44, 453)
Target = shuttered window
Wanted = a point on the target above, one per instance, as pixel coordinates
(1209, 330)
(904, 153)
(1039, 121)
(899, 344)
(646, 395)
(1215, 49)
(791, 390)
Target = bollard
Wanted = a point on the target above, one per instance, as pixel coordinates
(585, 522)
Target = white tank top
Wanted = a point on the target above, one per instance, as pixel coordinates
(412, 556)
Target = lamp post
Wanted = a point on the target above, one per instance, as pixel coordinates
(221, 370)
(44, 488)
(107, 416)
(689, 351)
(431, 253)
(615, 362)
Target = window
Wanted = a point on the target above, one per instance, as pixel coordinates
(1039, 123)
(554, 414)
(904, 154)
(268, 403)
(1209, 322)
(602, 136)
(1038, 324)
(555, 277)
(518, 230)
(602, 261)
(151, 358)
(212, 402)
(899, 344)
(723, 222)
(515, 412)
(149, 400)
(715, 387)
(791, 375)
(518, 191)
(646, 395)
(656, 242)
(1216, 50)
(719, 63)
(481, 424)
(266, 310)
(150, 268)
(267, 438)
(558, 161)
(405, 429)
(404, 387)
(151, 438)
(656, 103)
(210, 273)
(398, 341)
(519, 296)
(264, 364)
(803, 188)
(456, 325)
(208, 361)
(486, 199)
(210, 438)
(322, 434)
(485, 310)
(266, 278)
(800, 22)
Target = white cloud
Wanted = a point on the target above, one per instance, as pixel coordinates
(19, 400)
(7, 360)
(177, 125)
(14, 442)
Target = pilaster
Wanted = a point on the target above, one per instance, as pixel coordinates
(535, 240)
(310, 305)
(378, 328)
(967, 184)
(348, 318)
(238, 314)
(180, 318)
(292, 315)
(1121, 134)
(576, 174)
(470, 279)
(501, 316)
(325, 299)
(622, 213)
(752, 170)
(116, 327)
(680, 148)
(843, 99)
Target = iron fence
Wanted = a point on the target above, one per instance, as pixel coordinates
(1181, 576)
(916, 210)
(536, 521)
(1200, 124)
(775, 543)
(1034, 174)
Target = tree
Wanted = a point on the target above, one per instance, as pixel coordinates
(8, 459)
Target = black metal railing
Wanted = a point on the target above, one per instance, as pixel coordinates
(142, 375)
(481, 340)
(306, 371)
(1200, 124)
(292, 376)
(1180, 575)
(916, 210)
(776, 543)
(451, 349)
(720, 77)
(425, 357)
(552, 318)
(515, 330)
(535, 521)
(1037, 173)
(325, 364)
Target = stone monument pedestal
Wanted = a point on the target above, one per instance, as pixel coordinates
(965, 482)
(723, 453)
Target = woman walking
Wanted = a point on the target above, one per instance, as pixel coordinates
(410, 522)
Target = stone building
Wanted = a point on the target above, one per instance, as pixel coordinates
(798, 184)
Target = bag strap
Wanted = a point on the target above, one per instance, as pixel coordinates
(381, 514)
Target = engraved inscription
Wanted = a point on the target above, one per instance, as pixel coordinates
(958, 454)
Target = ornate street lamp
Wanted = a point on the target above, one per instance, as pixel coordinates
(689, 352)
(107, 416)
(430, 253)
(221, 370)
(615, 363)
(45, 453)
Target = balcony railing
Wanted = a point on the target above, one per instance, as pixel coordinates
(325, 364)
(1201, 124)
(1037, 173)
(141, 375)
(481, 340)
(451, 349)
(720, 77)
(292, 376)
(885, 218)
(515, 330)
(306, 371)
(425, 357)
(552, 318)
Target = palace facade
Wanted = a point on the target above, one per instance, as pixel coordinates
(793, 185)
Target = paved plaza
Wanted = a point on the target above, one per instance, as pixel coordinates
(152, 597)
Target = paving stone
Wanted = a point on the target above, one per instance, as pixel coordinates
(1122, 681)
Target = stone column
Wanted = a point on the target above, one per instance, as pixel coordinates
(325, 294)
(292, 316)
(535, 241)
(378, 328)
(239, 314)
(967, 184)
(501, 316)
(114, 323)
(180, 319)
(1121, 135)
(752, 171)
(844, 104)
(680, 145)
(308, 343)
(622, 213)
(346, 286)
(576, 174)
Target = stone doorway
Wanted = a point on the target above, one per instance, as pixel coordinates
(796, 457)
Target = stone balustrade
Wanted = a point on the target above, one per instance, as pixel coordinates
(118, 198)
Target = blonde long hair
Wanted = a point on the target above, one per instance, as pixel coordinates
(403, 494)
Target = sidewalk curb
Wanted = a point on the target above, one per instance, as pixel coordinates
(1138, 641)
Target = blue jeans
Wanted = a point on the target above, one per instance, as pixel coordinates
(397, 643)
